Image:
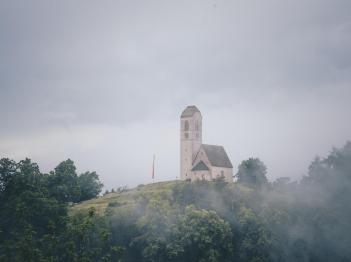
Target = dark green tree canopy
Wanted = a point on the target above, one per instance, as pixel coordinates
(63, 182)
(90, 185)
(200, 235)
(7, 171)
(252, 172)
(34, 223)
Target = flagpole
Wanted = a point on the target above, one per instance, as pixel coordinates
(153, 169)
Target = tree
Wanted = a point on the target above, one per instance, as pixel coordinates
(90, 185)
(252, 172)
(256, 243)
(63, 182)
(200, 235)
(333, 175)
(28, 214)
(7, 171)
(87, 238)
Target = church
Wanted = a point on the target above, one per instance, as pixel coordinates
(200, 161)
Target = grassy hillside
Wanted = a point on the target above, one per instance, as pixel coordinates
(243, 221)
(127, 198)
(250, 220)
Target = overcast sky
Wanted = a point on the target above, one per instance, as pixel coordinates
(104, 82)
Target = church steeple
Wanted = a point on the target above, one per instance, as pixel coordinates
(190, 139)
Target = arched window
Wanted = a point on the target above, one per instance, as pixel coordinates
(186, 125)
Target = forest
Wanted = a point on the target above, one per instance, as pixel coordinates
(62, 216)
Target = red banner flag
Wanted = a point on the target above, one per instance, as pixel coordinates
(153, 168)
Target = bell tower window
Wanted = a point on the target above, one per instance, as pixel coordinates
(186, 125)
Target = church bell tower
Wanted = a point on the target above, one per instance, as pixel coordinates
(190, 139)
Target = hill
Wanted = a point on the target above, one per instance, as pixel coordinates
(125, 198)
(249, 220)
(145, 219)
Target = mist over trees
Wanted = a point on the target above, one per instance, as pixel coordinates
(250, 220)
(252, 172)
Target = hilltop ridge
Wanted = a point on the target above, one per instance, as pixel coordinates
(126, 198)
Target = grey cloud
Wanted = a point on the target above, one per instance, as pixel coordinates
(71, 64)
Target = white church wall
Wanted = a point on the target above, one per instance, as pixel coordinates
(217, 172)
(190, 142)
(191, 152)
(186, 159)
(201, 175)
(201, 156)
(196, 133)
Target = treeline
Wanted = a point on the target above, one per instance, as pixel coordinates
(251, 220)
(34, 221)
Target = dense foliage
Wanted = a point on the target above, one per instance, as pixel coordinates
(250, 220)
(34, 224)
(252, 172)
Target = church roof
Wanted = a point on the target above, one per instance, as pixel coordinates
(217, 156)
(189, 111)
(200, 167)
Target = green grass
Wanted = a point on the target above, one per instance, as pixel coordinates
(124, 200)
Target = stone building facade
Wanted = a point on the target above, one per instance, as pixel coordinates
(200, 161)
